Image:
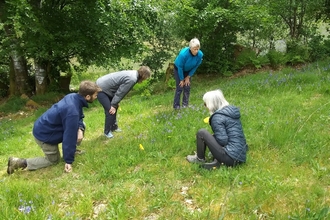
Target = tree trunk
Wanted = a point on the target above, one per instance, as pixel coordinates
(64, 83)
(40, 79)
(12, 82)
(21, 75)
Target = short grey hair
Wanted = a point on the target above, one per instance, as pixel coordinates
(194, 43)
(214, 100)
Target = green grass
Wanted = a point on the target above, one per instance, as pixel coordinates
(286, 119)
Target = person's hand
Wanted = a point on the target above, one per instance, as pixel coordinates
(112, 110)
(80, 136)
(187, 81)
(181, 84)
(68, 168)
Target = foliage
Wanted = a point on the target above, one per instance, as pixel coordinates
(12, 105)
(276, 59)
(319, 48)
(249, 59)
(215, 24)
(297, 53)
(59, 35)
(161, 41)
(66, 36)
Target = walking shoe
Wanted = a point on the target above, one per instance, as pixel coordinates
(15, 163)
(118, 130)
(109, 135)
(212, 165)
(194, 159)
(79, 152)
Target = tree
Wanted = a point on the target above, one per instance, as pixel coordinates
(217, 25)
(100, 32)
(18, 73)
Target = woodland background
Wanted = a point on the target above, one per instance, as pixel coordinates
(44, 43)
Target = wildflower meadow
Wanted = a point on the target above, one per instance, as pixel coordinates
(142, 172)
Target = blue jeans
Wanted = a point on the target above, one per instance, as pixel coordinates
(110, 123)
(179, 90)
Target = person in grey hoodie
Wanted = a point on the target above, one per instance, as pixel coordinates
(114, 87)
(228, 144)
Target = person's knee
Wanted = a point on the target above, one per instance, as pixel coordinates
(201, 132)
(54, 159)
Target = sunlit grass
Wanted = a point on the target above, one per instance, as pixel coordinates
(286, 120)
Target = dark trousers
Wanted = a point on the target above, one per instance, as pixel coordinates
(179, 90)
(110, 123)
(205, 138)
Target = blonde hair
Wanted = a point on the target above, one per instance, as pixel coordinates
(194, 43)
(214, 100)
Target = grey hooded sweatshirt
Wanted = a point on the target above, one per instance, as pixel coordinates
(117, 85)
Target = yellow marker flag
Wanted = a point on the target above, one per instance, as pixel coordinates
(141, 147)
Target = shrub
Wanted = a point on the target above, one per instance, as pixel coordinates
(297, 53)
(276, 59)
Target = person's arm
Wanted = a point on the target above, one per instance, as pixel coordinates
(80, 136)
(200, 57)
(81, 123)
(70, 136)
(219, 130)
(122, 91)
(179, 63)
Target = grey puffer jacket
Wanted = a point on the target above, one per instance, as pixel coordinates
(228, 132)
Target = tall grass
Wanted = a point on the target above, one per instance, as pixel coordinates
(286, 119)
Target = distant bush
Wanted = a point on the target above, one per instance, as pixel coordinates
(276, 59)
(297, 53)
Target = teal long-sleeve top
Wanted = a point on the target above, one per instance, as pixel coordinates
(187, 62)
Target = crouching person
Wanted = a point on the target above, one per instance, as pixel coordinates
(227, 144)
(62, 123)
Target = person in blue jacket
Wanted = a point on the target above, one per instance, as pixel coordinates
(62, 123)
(227, 144)
(185, 66)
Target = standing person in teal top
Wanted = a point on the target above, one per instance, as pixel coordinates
(185, 66)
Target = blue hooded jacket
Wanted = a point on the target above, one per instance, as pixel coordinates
(60, 124)
(187, 63)
(228, 132)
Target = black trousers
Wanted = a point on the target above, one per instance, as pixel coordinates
(110, 123)
(205, 138)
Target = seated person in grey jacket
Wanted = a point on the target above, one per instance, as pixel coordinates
(114, 87)
(227, 144)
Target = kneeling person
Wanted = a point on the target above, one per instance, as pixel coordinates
(62, 123)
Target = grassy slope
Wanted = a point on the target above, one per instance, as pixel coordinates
(286, 121)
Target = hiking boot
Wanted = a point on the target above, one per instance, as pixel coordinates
(212, 165)
(15, 163)
(194, 159)
(109, 135)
